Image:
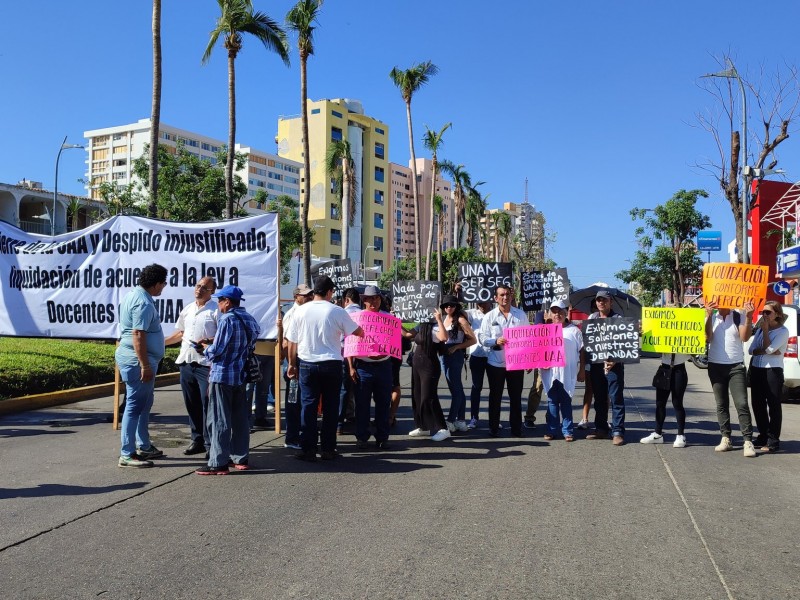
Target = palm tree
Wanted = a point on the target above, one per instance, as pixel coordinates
(409, 81)
(301, 19)
(155, 111)
(340, 166)
(461, 185)
(432, 141)
(502, 231)
(437, 207)
(474, 212)
(236, 18)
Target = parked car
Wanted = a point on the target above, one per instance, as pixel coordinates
(791, 362)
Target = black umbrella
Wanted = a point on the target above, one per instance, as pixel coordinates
(621, 303)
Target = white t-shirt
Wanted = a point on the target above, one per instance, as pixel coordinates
(475, 316)
(778, 339)
(197, 323)
(726, 347)
(666, 359)
(317, 328)
(568, 374)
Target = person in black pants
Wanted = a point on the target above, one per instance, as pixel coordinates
(678, 379)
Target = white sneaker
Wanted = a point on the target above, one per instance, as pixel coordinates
(584, 424)
(724, 445)
(680, 441)
(473, 424)
(461, 426)
(450, 427)
(418, 432)
(443, 434)
(653, 438)
(749, 450)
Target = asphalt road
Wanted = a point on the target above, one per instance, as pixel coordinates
(472, 517)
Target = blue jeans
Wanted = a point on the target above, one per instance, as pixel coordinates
(263, 392)
(559, 406)
(609, 387)
(229, 424)
(319, 379)
(477, 367)
(452, 365)
(374, 381)
(135, 430)
(194, 385)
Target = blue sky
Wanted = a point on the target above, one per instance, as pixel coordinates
(593, 102)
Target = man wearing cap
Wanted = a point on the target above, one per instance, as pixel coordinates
(559, 382)
(372, 379)
(197, 322)
(302, 294)
(228, 408)
(608, 383)
(315, 357)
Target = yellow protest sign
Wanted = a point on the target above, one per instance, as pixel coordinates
(679, 330)
(731, 285)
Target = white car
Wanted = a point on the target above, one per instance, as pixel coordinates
(791, 362)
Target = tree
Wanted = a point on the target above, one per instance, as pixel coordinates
(155, 110)
(777, 105)
(289, 226)
(118, 200)
(340, 166)
(502, 230)
(450, 260)
(433, 141)
(409, 81)
(238, 17)
(462, 183)
(529, 250)
(675, 261)
(301, 19)
(437, 204)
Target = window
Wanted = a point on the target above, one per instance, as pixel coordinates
(378, 263)
(120, 162)
(379, 197)
(335, 212)
(378, 174)
(336, 134)
(379, 150)
(398, 216)
(378, 221)
(379, 130)
(314, 111)
(336, 114)
(378, 243)
(336, 237)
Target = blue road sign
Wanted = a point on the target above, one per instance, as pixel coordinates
(781, 288)
(709, 240)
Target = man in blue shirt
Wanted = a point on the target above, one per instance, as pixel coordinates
(228, 408)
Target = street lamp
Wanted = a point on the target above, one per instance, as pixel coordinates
(732, 73)
(64, 146)
(363, 265)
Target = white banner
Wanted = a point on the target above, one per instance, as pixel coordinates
(71, 286)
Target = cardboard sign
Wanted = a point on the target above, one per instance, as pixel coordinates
(678, 330)
(541, 288)
(731, 285)
(614, 339)
(479, 280)
(415, 301)
(534, 347)
(381, 335)
(340, 271)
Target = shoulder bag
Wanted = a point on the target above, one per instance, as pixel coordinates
(252, 366)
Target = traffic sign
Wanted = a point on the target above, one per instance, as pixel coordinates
(781, 288)
(709, 240)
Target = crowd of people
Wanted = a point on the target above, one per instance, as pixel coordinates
(217, 335)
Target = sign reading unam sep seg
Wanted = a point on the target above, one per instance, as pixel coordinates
(679, 330)
(731, 285)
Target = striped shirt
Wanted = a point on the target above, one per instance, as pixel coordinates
(228, 352)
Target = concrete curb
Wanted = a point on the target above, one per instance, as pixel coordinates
(49, 399)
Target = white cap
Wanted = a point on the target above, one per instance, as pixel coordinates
(559, 304)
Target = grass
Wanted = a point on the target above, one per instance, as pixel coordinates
(40, 365)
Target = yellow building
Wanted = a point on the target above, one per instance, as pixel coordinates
(343, 119)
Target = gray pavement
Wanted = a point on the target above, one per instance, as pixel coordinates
(472, 517)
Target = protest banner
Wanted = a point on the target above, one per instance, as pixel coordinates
(381, 335)
(679, 330)
(541, 288)
(340, 271)
(71, 285)
(534, 347)
(415, 301)
(615, 339)
(731, 285)
(479, 280)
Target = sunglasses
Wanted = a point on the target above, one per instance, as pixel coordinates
(767, 313)
(448, 306)
(602, 300)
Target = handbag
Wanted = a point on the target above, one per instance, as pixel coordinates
(252, 366)
(662, 380)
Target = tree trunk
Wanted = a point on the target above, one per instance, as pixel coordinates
(345, 208)
(231, 132)
(430, 228)
(456, 193)
(732, 194)
(414, 190)
(439, 275)
(155, 111)
(306, 191)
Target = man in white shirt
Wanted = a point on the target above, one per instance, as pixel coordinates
(302, 294)
(478, 356)
(491, 337)
(197, 321)
(315, 356)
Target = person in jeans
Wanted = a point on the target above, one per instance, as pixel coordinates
(351, 302)
(766, 375)
(678, 380)
(315, 356)
(459, 338)
(478, 355)
(726, 331)
(302, 294)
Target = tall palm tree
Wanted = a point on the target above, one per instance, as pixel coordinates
(238, 17)
(409, 81)
(432, 141)
(437, 205)
(461, 185)
(503, 231)
(340, 166)
(155, 111)
(301, 19)
(474, 212)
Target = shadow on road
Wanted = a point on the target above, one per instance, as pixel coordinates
(57, 489)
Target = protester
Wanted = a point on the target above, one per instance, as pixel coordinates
(726, 330)
(535, 394)
(559, 382)
(228, 407)
(302, 294)
(351, 302)
(459, 338)
(141, 348)
(196, 322)
(315, 356)
(766, 375)
(478, 356)
(491, 337)
(678, 380)
(397, 364)
(261, 395)
(588, 395)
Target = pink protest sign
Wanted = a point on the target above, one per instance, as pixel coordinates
(534, 347)
(381, 335)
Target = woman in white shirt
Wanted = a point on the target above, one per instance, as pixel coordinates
(766, 375)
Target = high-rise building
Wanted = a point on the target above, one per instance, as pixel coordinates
(370, 234)
(526, 222)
